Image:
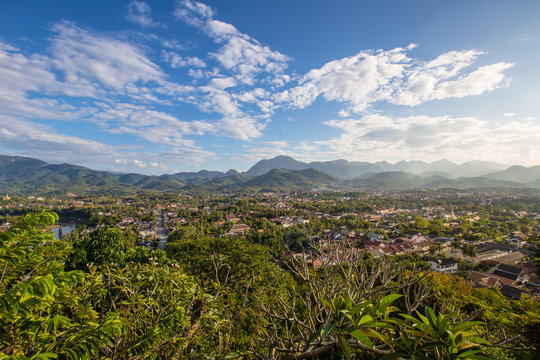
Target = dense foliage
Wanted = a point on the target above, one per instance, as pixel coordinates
(98, 295)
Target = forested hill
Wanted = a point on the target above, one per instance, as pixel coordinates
(24, 176)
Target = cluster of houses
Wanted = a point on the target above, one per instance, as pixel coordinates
(510, 271)
(511, 280)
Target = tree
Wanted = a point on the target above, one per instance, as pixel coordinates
(313, 318)
(421, 223)
(241, 279)
(102, 247)
(469, 250)
(133, 312)
(34, 289)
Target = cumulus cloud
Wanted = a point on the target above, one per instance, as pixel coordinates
(22, 75)
(139, 164)
(86, 58)
(140, 13)
(239, 53)
(155, 126)
(177, 61)
(241, 127)
(243, 63)
(369, 77)
(375, 137)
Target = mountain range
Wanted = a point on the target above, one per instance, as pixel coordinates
(23, 175)
(352, 169)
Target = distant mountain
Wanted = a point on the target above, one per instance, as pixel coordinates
(285, 178)
(477, 168)
(398, 180)
(350, 170)
(21, 175)
(199, 175)
(395, 180)
(279, 162)
(517, 173)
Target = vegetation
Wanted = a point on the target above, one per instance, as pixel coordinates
(100, 294)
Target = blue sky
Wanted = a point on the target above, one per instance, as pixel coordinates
(167, 86)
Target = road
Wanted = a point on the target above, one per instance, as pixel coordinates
(161, 233)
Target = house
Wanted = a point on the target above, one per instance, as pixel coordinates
(511, 258)
(514, 273)
(511, 292)
(238, 229)
(515, 241)
(517, 238)
(484, 280)
(444, 265)
(375, 237)
(418, 238)
(423, 246)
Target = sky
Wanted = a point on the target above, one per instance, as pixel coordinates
(167, 86)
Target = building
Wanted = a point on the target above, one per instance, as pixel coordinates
(517, 275)
(511, 292)
(483, 280)
(238, 229)
(444, 265)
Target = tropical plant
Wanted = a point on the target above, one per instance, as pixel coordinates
(35, 292)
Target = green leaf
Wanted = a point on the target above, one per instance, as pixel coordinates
(364, 319)
(44, 356)
(344, 346)
(430, 315)
(326, 303)
(325, 331)
(322, 332)
(360, 336)
(387, 300)
(467, 325)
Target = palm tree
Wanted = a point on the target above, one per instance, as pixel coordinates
(469, 250)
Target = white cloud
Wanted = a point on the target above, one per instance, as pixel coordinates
(246, 57)
(304, 146)
(369, 77)
(484, 79)
(243, 62)
(193, 11)
(86, 58)
(222, 83)
(239, 53)
(241, 127)
(177, 61)
(269, 149)
(139, 164)
(278, 143)
(36, 140)
(266, 106)
(377, 137)
(221, 102)
(155, 126)
(509, 114)
(140, 13)
(173, 44)
(21, 75)
(28, 138)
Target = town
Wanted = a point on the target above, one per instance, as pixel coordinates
(489, 239)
